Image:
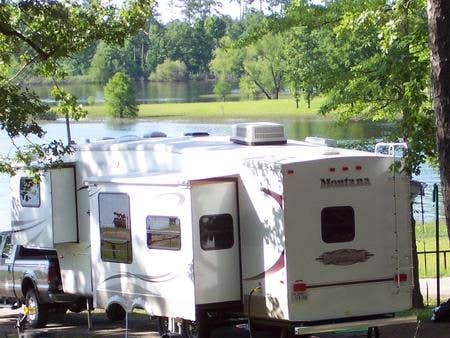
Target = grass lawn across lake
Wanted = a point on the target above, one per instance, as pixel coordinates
(233, 109)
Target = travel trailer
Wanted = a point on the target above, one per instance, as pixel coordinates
(301, 236)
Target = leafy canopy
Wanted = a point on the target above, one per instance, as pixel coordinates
(35, 38)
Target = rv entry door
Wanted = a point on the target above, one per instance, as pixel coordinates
(216, 242)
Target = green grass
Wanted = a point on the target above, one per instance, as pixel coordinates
(426, 241)
(235, 109)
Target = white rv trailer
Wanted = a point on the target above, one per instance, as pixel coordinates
(183, 226)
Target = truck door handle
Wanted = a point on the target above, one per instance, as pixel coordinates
(9, 268)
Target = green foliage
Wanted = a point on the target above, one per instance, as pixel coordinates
(120, 99)
(37, 38)
(222, 88)
(90, 100)
(263, 65)
(169, 71)
(375, 65)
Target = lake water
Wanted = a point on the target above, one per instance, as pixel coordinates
(296, 129)
(146, 92)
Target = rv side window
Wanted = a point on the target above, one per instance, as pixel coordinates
(163, 232)
(216, 232)
(338, 224)
(115, 230)
(30, 195)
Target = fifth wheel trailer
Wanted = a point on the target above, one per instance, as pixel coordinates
(291, 234)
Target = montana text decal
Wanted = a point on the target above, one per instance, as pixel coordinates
(344, 182)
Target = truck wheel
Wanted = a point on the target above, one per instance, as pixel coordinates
(37, 312)
(198, 329)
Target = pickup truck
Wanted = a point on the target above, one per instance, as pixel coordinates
(32, 276)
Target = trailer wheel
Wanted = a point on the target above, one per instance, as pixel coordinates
(201, 328)
(115, 313)
(373, 332)
(163, 325)
(37, 312)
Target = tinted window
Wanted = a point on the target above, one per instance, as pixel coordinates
(338, 224)
(163, 232)
(115, 229)
(216, 232)
(30, 195)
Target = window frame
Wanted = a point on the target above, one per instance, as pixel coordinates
(325, 228)
(129, 244)
(163, 248)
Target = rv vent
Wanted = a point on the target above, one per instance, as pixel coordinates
(262, 133)
(321, 141)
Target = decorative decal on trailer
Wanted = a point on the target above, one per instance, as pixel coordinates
(326, 183)
(151, 279)
(279, 264)
(344, 257)
(277, 197)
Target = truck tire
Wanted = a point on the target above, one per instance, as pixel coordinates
(37, 312)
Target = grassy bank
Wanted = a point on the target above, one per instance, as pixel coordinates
(426, 241)
(236, 109)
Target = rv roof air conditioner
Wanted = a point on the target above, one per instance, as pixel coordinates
(261, 133)
(321, 141)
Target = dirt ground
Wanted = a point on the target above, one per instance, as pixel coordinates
(75, 325)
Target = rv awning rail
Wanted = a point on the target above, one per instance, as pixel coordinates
(360, 324)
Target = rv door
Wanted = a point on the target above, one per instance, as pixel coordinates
(216, 242)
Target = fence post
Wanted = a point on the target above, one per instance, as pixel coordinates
(438, 281)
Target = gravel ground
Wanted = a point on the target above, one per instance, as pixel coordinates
(75, 325)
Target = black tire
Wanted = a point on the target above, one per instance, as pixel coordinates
(163, 326)
(115, 313)
(37, 312)
(198, 329)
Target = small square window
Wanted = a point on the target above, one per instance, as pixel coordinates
(163, 232)
(216, 232)
(338, 224)
(30, 194)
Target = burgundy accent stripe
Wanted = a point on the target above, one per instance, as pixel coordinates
(277, 197)
(279, 264)
(380, 280)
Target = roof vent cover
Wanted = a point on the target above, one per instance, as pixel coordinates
(261, 133)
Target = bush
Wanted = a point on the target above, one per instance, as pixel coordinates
(120, 98)
(169, 71)
(90, 100)
(222, 89)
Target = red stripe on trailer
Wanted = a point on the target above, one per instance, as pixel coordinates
(277, 266)
(277, 197)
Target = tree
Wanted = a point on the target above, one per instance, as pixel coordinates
(169, 71)
(35, 38)
(439, 37)
(120, 98)
(263, 65)
(222, 89)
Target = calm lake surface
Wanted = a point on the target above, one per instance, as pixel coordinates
(296, 129)
(146, 92)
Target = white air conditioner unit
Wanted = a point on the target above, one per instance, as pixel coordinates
(261, 133)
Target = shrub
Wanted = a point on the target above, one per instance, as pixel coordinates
(120, 98)
(169, 71)
(90, 100)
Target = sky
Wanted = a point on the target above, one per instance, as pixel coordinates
(168, 13)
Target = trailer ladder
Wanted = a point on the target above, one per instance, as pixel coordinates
(392, 147)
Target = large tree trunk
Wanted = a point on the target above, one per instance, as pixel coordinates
(439, 36)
